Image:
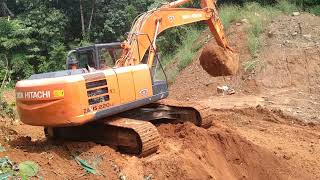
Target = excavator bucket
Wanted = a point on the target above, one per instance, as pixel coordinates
(217, 58)
(217, 61)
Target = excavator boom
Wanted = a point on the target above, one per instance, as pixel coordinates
(149, 25)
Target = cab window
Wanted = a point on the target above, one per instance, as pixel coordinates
(86, 58)
(108, 56)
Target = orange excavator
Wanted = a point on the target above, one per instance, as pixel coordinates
(110, 92)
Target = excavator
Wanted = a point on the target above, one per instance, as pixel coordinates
(114, 93)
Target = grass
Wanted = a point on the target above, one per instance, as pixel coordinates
(250, 66)
(315, 10)
(188, 49)
(229, 14)
(253, 65)
(286, 7)
(255, 14)
(175, 62)
(254, 44)
(258, 17)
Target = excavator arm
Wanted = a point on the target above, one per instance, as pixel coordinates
(149, 25)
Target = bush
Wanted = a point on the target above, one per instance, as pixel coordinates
(171, 39)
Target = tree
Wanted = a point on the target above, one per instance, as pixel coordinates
(48, 29)
(114, 18)
(14, 44)
(33, 43)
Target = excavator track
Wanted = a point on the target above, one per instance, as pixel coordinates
(148, 137)
(204, 112)
(172, 111)
(127, 135)
(133, 131)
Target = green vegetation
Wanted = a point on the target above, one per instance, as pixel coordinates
(181, 57)
(257, 13)
(257, 16)
(38, 37)
(25, 170)
(286, 7)
(229, 14)
(6, 109)
(188, 48)
(315, 10)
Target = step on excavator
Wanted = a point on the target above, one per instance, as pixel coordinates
(114, 93)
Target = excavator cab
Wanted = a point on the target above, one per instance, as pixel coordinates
(97, 56)
(104, 56)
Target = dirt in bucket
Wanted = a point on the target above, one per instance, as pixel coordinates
(217, 61)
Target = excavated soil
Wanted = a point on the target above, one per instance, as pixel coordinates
(218, 62)
(268, 130)
(245, 143)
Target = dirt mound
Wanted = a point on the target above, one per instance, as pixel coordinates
(288, 80)
(217, 61)
(286, 137)
(57, 158)
(190, 152)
